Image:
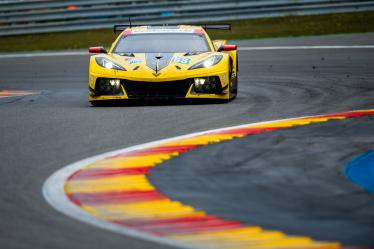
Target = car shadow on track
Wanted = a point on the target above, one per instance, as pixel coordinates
(157, 102)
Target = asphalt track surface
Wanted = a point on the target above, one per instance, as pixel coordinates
(42, 133)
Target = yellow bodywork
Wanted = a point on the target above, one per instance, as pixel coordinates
(174, 71)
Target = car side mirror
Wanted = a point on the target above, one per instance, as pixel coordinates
(227, 48)
(97, 50)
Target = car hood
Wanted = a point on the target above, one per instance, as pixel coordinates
(157, 65)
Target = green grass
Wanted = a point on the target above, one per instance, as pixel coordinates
(355, 22)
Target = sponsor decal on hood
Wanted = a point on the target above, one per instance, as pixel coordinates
(181, 60)
(133, 61)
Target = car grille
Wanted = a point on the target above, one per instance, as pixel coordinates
(169, 89)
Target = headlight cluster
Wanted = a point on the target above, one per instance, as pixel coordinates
(211, 61)
(105, 86)
(210, 84)
(104, 62)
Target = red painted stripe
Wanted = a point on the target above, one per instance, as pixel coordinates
(157, 150)
(188, 228)
(359, 114)
(245, 131)
(184, 220)
(183, 227)
(99, 173)
(166, 221)
(350, 114)
(73, 175)
(212, 222)
(74, 200)
(118, 197)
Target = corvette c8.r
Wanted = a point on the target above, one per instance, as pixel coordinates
(156, 62)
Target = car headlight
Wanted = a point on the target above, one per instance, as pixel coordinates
(211, 61)
(104, 62)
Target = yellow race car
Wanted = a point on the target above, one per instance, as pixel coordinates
(157, 62)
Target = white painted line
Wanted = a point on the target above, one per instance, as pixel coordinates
(72, 53)
(304, 47)
(42, 54)
(54, 193)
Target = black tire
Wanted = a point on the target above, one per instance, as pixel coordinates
(233, 92)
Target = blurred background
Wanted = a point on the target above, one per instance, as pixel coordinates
(60, 24)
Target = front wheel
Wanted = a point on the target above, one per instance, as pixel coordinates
(233, 83)
(234, 90)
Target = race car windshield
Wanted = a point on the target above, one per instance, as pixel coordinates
(161, 43)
